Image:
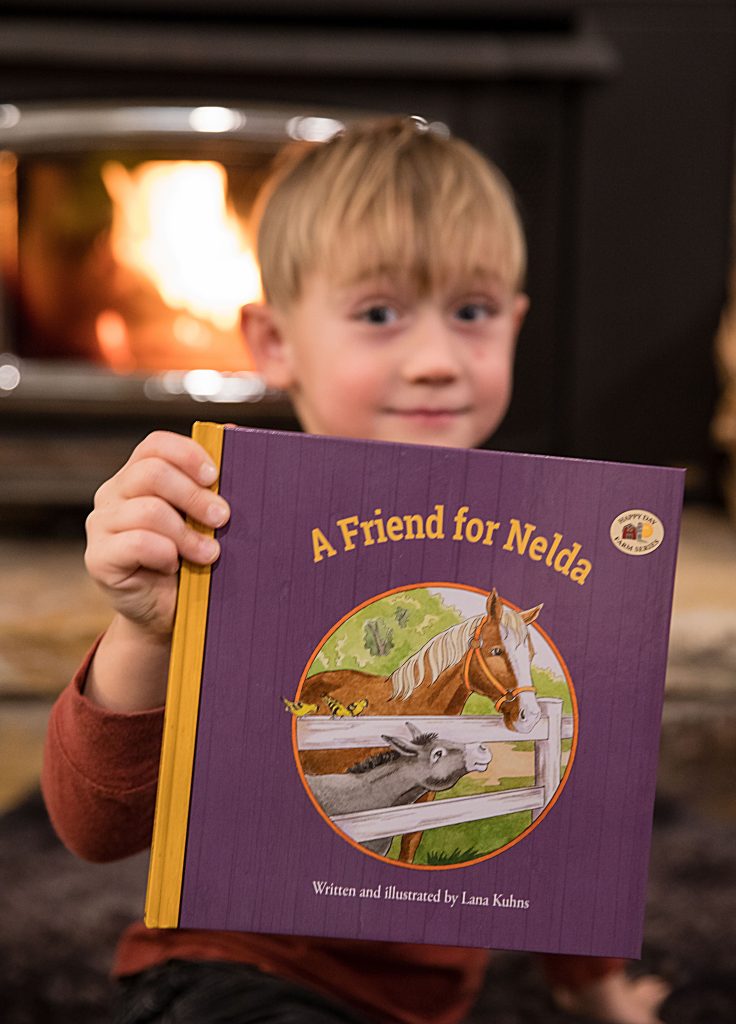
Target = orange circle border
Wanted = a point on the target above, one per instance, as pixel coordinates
(522, 835)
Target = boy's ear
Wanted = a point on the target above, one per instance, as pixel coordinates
(521, 308)
(261, 329)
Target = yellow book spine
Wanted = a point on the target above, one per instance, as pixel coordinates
(166, 869)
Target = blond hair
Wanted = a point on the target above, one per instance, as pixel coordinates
(386, 196)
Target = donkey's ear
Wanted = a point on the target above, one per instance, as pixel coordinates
(494, 606)
(415, 733)
(401, 746)
(531, 614)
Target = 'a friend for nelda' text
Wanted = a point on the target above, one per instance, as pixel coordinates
(351, 532)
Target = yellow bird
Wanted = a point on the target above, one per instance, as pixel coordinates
(339, 710)
(299, 708)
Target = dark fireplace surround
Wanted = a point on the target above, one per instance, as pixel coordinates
(613, 120)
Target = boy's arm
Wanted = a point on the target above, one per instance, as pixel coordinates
(129, 669)
(104, 736)
(99, 775)
(136, 536)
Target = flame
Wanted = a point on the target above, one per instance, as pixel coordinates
(113, 340)
(172, 222)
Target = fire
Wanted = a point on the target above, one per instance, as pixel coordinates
(112, 337)
(173, 223)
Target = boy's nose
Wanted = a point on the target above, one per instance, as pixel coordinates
(432, 355)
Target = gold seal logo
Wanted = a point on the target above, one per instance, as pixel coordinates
(637, 532)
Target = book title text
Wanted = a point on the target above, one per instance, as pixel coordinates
(352, 532)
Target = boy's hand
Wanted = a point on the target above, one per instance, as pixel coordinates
(137, 534)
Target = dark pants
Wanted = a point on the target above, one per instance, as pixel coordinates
(193, 992)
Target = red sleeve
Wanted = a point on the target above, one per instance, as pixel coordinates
(99, 774)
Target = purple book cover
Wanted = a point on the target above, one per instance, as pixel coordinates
(430, 696)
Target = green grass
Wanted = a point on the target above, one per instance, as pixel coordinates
(440, 845)
(456, 856)
(457, 844)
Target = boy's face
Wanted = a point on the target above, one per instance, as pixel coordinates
(375, 360)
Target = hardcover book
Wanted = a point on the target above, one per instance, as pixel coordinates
(418, 697)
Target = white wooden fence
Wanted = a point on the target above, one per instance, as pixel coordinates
(322, 733)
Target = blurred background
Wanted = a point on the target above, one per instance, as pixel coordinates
(134, 135)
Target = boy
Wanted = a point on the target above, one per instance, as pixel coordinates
(393, 263)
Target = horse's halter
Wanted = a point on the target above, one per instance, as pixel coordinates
(507, 693)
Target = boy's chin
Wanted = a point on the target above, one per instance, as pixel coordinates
(456, 437)
(462, 432)
(467, 428)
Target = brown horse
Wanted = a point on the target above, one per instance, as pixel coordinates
(489, 654)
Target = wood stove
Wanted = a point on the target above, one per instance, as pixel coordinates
(614, 121)
(126, 251)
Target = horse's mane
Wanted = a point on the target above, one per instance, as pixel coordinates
(446, 649)
(512, 625)
(439, 653)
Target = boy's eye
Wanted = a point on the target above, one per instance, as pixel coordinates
(472, 311)
(378, 314)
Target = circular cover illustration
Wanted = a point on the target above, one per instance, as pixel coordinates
(435, 725)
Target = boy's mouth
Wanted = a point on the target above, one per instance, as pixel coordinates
(429, 413)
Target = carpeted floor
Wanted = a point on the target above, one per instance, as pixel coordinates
(59, 921)
(60, 917)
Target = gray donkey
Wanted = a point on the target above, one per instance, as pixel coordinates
(400, 775)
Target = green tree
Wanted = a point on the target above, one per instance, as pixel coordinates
(378, 637)
(358, 644)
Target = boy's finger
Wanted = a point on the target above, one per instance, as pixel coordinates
(160, 479)
(126, 553)
(181, 451)
(148, 513)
